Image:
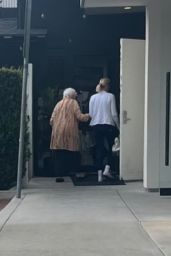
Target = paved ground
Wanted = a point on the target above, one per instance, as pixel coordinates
(62, 220)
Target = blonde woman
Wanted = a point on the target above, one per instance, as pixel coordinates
(65, 134)
(104, 120)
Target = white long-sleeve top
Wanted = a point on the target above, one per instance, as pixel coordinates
(102, 109)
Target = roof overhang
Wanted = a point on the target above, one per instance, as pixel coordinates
(8, 29)
(112, 3)
(20, 33)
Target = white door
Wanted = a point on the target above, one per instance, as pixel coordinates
(132, 86)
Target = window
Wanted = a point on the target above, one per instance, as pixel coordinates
(8, 3)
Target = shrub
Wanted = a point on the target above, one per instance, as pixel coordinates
(10, 98)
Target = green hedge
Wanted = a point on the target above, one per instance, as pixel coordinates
(10, 97)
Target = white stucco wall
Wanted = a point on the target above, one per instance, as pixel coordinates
(153, 74)
(152, 96)
(165, 171)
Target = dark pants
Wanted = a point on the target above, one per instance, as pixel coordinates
(65, 162)
(104, 139)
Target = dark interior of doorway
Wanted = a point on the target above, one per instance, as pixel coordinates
(77, 52)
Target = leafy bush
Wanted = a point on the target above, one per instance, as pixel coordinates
(10, 98)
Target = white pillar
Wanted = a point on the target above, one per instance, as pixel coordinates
(152, 95)
(165, 167)
(30, 116)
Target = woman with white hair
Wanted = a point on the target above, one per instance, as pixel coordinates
(65, 134)
(104, 121)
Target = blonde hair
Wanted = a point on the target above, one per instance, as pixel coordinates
(103, 85)
(104, 81)
(70, 93)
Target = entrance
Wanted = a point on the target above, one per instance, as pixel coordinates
(77, 55)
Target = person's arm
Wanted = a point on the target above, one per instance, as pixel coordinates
(114, 111)
(80, 117)
(53, 115)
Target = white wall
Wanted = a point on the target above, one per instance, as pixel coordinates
(153, 82)
(152, 96)
(165, 171)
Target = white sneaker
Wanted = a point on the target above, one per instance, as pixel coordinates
(107, 172)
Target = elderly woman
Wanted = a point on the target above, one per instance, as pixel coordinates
(65, 134)
(104, 120)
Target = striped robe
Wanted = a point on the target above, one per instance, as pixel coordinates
(64, 120)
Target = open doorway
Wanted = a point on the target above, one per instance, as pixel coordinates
(79, 50)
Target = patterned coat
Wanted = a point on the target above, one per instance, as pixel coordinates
(64, 120)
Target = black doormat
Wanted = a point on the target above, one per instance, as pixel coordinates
(92, 180)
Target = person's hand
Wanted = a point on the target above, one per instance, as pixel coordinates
(88, 117)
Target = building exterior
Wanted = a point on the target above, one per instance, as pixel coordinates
(8, 4)
(63, 42)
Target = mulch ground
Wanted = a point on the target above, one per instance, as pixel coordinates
(3, 203)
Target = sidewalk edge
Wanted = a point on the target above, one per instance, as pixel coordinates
(8, 211)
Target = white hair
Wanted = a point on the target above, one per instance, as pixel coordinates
(70, 93)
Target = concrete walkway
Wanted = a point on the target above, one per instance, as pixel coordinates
(63, 220)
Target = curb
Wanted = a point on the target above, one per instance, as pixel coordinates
(8, 211)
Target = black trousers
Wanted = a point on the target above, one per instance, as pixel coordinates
(65, 162)
(104, 139)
